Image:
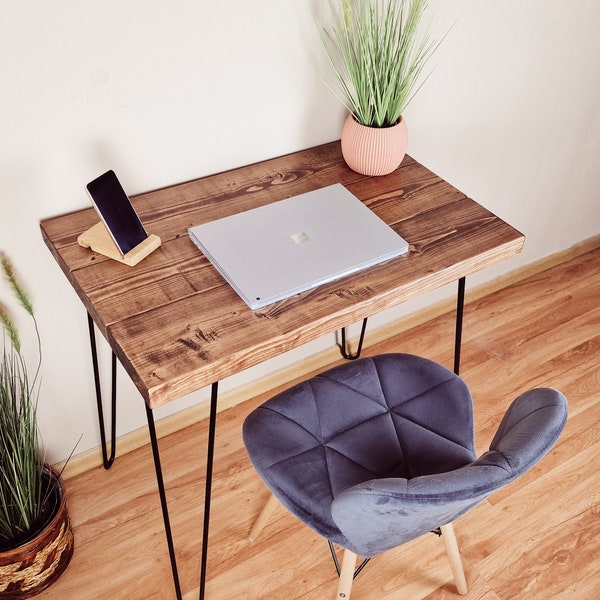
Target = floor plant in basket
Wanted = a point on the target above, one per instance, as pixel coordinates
(36, 539)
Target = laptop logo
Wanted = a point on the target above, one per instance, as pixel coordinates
(301, 238)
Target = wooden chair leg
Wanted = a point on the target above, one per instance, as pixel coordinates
(263, 517)
(346, 575)
(454, 558)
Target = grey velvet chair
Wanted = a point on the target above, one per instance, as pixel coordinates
(378, 451)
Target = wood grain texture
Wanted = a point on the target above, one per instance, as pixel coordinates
(175, 324)
(536, 539)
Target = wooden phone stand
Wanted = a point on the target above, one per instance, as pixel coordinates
(98, 239)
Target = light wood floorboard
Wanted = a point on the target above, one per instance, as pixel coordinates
(538, 538)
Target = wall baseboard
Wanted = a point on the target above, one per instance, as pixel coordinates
(284, 377)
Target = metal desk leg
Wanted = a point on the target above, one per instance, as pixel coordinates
(460, 305)
(207, 495)
(344, 348)
(107, 460)
(163, 499)
(208, 489)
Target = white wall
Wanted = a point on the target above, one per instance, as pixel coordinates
(169, 91)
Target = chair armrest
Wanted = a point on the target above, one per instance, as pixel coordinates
(529, 429)
(382, 513)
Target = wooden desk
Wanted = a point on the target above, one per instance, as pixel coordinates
(176, 326)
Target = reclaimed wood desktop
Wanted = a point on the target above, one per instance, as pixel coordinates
(176, 326)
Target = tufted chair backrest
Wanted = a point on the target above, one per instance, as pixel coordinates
(390, 416)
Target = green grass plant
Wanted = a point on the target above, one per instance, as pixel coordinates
(22, 484)
(378, 51)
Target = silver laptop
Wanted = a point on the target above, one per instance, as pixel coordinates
(276, 251)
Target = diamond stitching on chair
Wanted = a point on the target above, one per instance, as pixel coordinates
(382, 423)
(361, 422)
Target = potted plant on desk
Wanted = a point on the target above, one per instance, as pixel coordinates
(36, 539)
(378, 54)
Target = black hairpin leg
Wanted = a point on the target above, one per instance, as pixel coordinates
(107, 460)
(212, 425)
(460, 305)
(207, 493)
(343, 348)
(163, 499)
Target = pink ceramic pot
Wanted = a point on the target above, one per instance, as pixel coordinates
(373, 150)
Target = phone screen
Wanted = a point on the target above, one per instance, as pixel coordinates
(116, 211)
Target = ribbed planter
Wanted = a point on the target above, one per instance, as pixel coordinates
(34, 565)
(373, 150)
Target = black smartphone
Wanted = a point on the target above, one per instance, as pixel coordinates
(116, 211)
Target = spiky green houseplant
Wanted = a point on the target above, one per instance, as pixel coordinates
(378, 51)
(23, 483)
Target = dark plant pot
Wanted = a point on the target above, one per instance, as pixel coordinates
(36, 564)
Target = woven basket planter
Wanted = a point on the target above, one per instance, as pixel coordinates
(34, 565)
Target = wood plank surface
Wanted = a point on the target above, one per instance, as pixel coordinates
(175, 324)
(536, 539)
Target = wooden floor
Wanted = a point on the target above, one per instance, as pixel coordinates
(539, 538)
